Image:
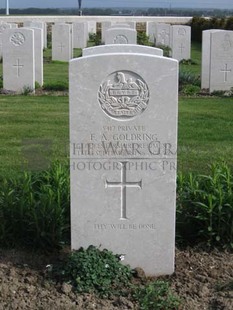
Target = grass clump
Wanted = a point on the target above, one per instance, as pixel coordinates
(94, 271)
(205, 208)
(156, 296)
(190, 90)
(189, 82)
(143, 39)
(166, 50)
(190, 78)
(95, 38)
(34, 209)
(56, 86)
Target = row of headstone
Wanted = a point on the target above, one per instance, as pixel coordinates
(217, 55)
(123, 134)
(23, 51)
(65, 37)
(177, 37)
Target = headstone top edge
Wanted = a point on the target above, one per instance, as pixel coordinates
(165, 59)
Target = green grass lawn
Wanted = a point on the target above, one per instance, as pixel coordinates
(32, 128)
(205, 132)
(36, 127)
(196, 58)
(31, 125)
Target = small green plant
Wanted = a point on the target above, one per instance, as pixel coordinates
(34, 209)
(94, 271)
(156, 296)
(190, 90)
(186, 77)
(205, 207)
(26, 90)
(143, 39)
(166, 50)
(95, 37)
(56, 86)
(188, 62)
(189, 78)
(37, 85)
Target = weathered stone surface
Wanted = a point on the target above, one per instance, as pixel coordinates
(80, 35)
(40, 25)
(18, 59)
(162, 34)
(180, 42)
(217, 53)
(120, 36)
(123, 133)
(122, 48)
(62, 48)
(38, 53)
(3, 27)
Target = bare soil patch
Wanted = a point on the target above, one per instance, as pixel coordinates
(203, 280)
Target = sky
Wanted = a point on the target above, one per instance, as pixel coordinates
(119, 3)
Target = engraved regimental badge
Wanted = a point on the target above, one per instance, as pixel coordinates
(17, 39)
(123, 95)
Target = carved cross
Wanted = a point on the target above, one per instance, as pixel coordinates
(61, 46)
(123, 185)
(18, 67)
(225, 71)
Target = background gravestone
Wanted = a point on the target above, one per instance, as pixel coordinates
(3, 27)
(80, 35)
(180, 42)
(123, 132)
(104, 27)
(18, 59)
(120, 36)
(38, 52)
(162, 34)
(126, 25)
(62, 48)
(91, 26)
(205, 58)
(221, 55)
(122, 48)
(40, 25)
(150, 31)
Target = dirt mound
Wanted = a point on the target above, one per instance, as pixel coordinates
(202, 280)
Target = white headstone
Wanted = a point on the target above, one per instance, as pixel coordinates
(104, 27)
(91, 25)
(38, 52)
(13, 25)
(221, 55)
(62, 42)
(40, 25)
(18, 59)
(123, 133)
(151, 30)
(205, 58)
(122, 48)
(3, 27)
(180, 38)
(162, 34)
(131, 25)
(120, 36)
(80, 35)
